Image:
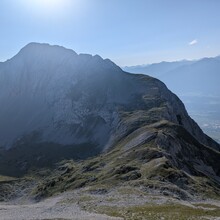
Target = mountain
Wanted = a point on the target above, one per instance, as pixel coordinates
(196, 83)
(58, 105)
(51, 92)
(199, 77)
(157, 69)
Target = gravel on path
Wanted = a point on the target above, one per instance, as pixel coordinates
(52, 208)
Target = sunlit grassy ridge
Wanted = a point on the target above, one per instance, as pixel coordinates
(147, 165)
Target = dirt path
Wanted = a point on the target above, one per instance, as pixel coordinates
(86, 203)
(53, 208)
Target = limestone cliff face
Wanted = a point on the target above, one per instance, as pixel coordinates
(70, 99)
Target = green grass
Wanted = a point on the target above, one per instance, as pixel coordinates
(145, 165)
(160, 212)
(7, 179)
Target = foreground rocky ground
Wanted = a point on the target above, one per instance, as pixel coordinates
(125, 202)
(53, 208)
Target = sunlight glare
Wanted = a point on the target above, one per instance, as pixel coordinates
(50, 7)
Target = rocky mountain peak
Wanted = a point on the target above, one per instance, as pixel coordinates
(46, 50)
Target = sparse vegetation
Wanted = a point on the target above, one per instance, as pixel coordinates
(161, 212)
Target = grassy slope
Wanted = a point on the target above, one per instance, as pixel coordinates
(148, 164)
(165, 212)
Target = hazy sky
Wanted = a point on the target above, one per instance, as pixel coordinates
(128, 32)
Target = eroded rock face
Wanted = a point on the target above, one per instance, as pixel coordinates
(72, 99)
(59, 94)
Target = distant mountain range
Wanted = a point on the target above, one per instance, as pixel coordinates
(58, 105)
(157, 69)
(196, 83)
(199, 77)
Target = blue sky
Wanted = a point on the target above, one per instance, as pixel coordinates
(129, 32)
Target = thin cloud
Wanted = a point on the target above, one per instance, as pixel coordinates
(193, 42)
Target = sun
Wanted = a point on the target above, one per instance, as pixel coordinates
(47, 8)
(49, 4)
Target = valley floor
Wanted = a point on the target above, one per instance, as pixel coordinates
(120, 203)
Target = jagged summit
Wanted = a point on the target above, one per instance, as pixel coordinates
(54, 55)
(44, 49)
(44, 46)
